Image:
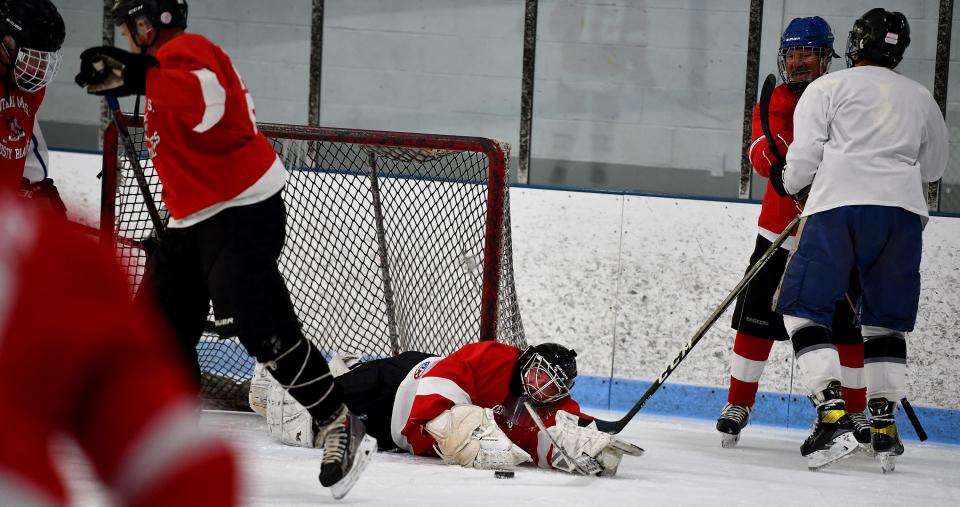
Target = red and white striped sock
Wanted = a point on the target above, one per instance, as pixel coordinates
(851, 376)
(750, 355)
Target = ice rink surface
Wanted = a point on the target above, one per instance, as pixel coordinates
(684, 465)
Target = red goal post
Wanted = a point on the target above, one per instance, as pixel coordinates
(395, 241)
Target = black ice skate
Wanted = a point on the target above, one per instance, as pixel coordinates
(347, 450)
(884, 437)
(831, 438)
(860, 427)
(732, 420)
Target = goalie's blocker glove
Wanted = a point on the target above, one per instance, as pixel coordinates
(106, 70)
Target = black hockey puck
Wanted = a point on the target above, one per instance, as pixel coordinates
(503, 474)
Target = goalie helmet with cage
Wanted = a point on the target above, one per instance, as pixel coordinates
(32, 32)
(546, 373)
(158, 13)
(806, 50)
(879, 36)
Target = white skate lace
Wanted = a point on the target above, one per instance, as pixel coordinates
(738, 413)
(335, 441)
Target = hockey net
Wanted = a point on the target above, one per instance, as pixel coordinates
(395, 242)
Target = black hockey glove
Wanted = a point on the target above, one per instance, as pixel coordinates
(776, 177)
(107, 70)
(43, 193)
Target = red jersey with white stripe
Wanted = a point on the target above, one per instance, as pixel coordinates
(200, 127)
(775, 212)
(476, 374)
(77, 357)
(18, 112)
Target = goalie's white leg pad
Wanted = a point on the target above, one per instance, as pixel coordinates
(260, 389)
(287, 419)
(467, 435)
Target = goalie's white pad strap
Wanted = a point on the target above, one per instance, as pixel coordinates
(287, 419)
(260, 389)
(467, 435)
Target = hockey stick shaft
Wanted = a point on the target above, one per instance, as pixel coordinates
(543, 428)
(116, 116)
(615, 427)
(914, 420)
(769, 84)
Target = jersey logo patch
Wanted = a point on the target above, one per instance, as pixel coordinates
(421, 369)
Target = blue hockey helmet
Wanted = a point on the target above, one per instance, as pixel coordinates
(805, 37)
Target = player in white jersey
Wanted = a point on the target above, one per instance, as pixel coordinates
(867, 141)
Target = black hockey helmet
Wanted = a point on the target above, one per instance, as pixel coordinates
(879, 36)
(159, 13)
(31, 33)
(545, 373)
(33, 24)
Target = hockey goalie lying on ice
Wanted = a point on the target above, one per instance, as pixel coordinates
(467, 408)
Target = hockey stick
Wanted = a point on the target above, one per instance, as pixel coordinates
(765, 94)
(922, 435)
(116, 116)
(584, 464)
(615, 427)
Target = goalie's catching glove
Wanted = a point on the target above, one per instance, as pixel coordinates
(106, 70)
(576, 440)
(467, 435)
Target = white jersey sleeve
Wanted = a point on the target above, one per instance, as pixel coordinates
(37, 167)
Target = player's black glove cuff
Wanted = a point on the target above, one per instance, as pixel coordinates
(776, 177)
(106, 70)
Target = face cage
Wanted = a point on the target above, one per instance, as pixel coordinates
(35, 69)
(557, 376)
(823, 56)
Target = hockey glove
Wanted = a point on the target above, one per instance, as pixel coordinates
(467, 435)
(577, 440)
(776, 177)
(44, 193)
(107, 70)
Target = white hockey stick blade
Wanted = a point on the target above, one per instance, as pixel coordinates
(843, 446)
(365, 451)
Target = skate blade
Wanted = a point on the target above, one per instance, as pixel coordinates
(365, 451)
(727, 440)
(888, 461)
(842, 447)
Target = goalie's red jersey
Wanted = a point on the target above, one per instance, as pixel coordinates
(18, 111)
(476, 374)
(77, 357)
(200, 127)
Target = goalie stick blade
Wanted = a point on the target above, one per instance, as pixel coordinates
(844, 446)
(365, 451)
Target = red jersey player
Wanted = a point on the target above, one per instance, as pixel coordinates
(468, 409)
(806, 49)
(31, 33)
(78, 358)
(222, 185)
